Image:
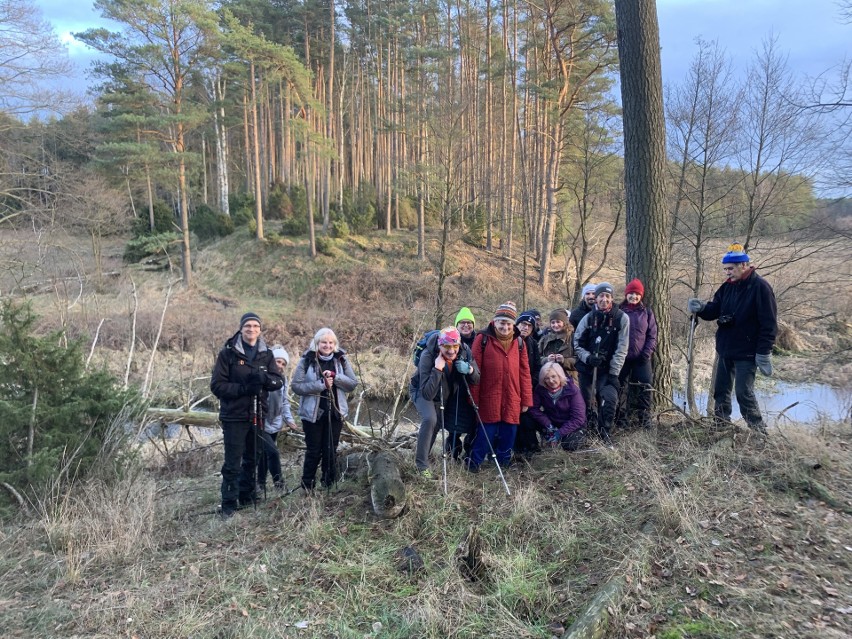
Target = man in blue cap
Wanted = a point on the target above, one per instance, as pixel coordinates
(744, 309)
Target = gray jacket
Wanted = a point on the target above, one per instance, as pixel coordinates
(309, 385)
(615, 340)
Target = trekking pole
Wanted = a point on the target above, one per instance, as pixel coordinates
(487, 439)
(443, 436)
(256, 425)
(332, 462)
(690, 391)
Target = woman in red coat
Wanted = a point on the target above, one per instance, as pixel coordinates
(504, 390)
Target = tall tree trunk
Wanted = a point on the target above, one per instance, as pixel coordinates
(644, 167)
(258, 191)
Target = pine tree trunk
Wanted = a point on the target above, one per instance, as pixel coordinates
(644, 168)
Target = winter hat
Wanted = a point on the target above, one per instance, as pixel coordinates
(735, 255)
(635, 286)
(278, 352)
(559, 314)
(507, 310)
(526, 316)
(535, 313)
(250, 316)
(589, 288)
(603, 287)
(465, 315)
(449, 335)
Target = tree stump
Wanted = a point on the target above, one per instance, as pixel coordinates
(469, 556)
(387, 492)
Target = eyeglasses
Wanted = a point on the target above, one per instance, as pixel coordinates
(465, 323)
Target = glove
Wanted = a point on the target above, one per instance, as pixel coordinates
(551, 437)
(462, 367)
(764, 363)
(250, 389)
(256, 379)
(595, 361)
(695, 305)
(612, 380)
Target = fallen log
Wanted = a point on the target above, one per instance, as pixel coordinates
(387, 492)
(179, 416)
(593, 623)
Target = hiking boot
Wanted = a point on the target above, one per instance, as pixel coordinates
(759, 428)
(603, 433)
(226, 512)
(427, 473)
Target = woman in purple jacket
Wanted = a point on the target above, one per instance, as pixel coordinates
(637, 371)
(558, 408)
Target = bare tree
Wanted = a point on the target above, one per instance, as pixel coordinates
(31, 58)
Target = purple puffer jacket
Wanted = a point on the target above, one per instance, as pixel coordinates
(643, 331)
(567, 413)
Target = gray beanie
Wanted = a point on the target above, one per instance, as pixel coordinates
(250, 316)
(603, 287)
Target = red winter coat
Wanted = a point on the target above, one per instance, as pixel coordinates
(504, 383)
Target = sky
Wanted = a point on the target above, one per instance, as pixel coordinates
(810, 32)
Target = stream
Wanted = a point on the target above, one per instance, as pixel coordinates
(813, 403)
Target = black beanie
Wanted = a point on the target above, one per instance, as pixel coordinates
(249, 316)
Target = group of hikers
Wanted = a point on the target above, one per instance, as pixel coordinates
(511, 389)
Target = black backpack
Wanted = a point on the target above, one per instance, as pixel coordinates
(420, 346)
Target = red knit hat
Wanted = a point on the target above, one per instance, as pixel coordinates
(635, 286)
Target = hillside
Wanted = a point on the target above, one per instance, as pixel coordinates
(683, 532)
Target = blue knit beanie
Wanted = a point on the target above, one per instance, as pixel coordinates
(736, 254)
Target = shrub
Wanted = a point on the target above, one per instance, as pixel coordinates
(148, 246)
(164, 221)
(279, 206)
(326, 245)
(339, 229)
(208, 224)
(54, 416)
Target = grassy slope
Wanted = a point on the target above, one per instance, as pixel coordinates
(743, 549)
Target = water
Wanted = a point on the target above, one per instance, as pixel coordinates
(813, 402)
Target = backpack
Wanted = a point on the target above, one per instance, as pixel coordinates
(420, 346)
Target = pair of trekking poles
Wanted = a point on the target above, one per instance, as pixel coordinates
(493, 454)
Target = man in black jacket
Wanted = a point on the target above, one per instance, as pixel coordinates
(244, 373)
(744, 308)
(586, 305)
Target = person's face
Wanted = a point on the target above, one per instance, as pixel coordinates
(449, 351)
(326, 345)
(551, 380)
(633, 298)
(604, 301)
(250, 332)
(735, 272)
(557, 325)
(465, 327)
(281, 363)
(590, 297)
(503, 327)
(525, 328)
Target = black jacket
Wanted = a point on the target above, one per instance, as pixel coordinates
(751, 304)
(230, 374)
(579, 313)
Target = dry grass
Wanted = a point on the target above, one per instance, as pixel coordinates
(742, 549)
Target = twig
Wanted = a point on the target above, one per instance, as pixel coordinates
(94, 343)
(18, 497)
(132, 335)
(145, 385)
